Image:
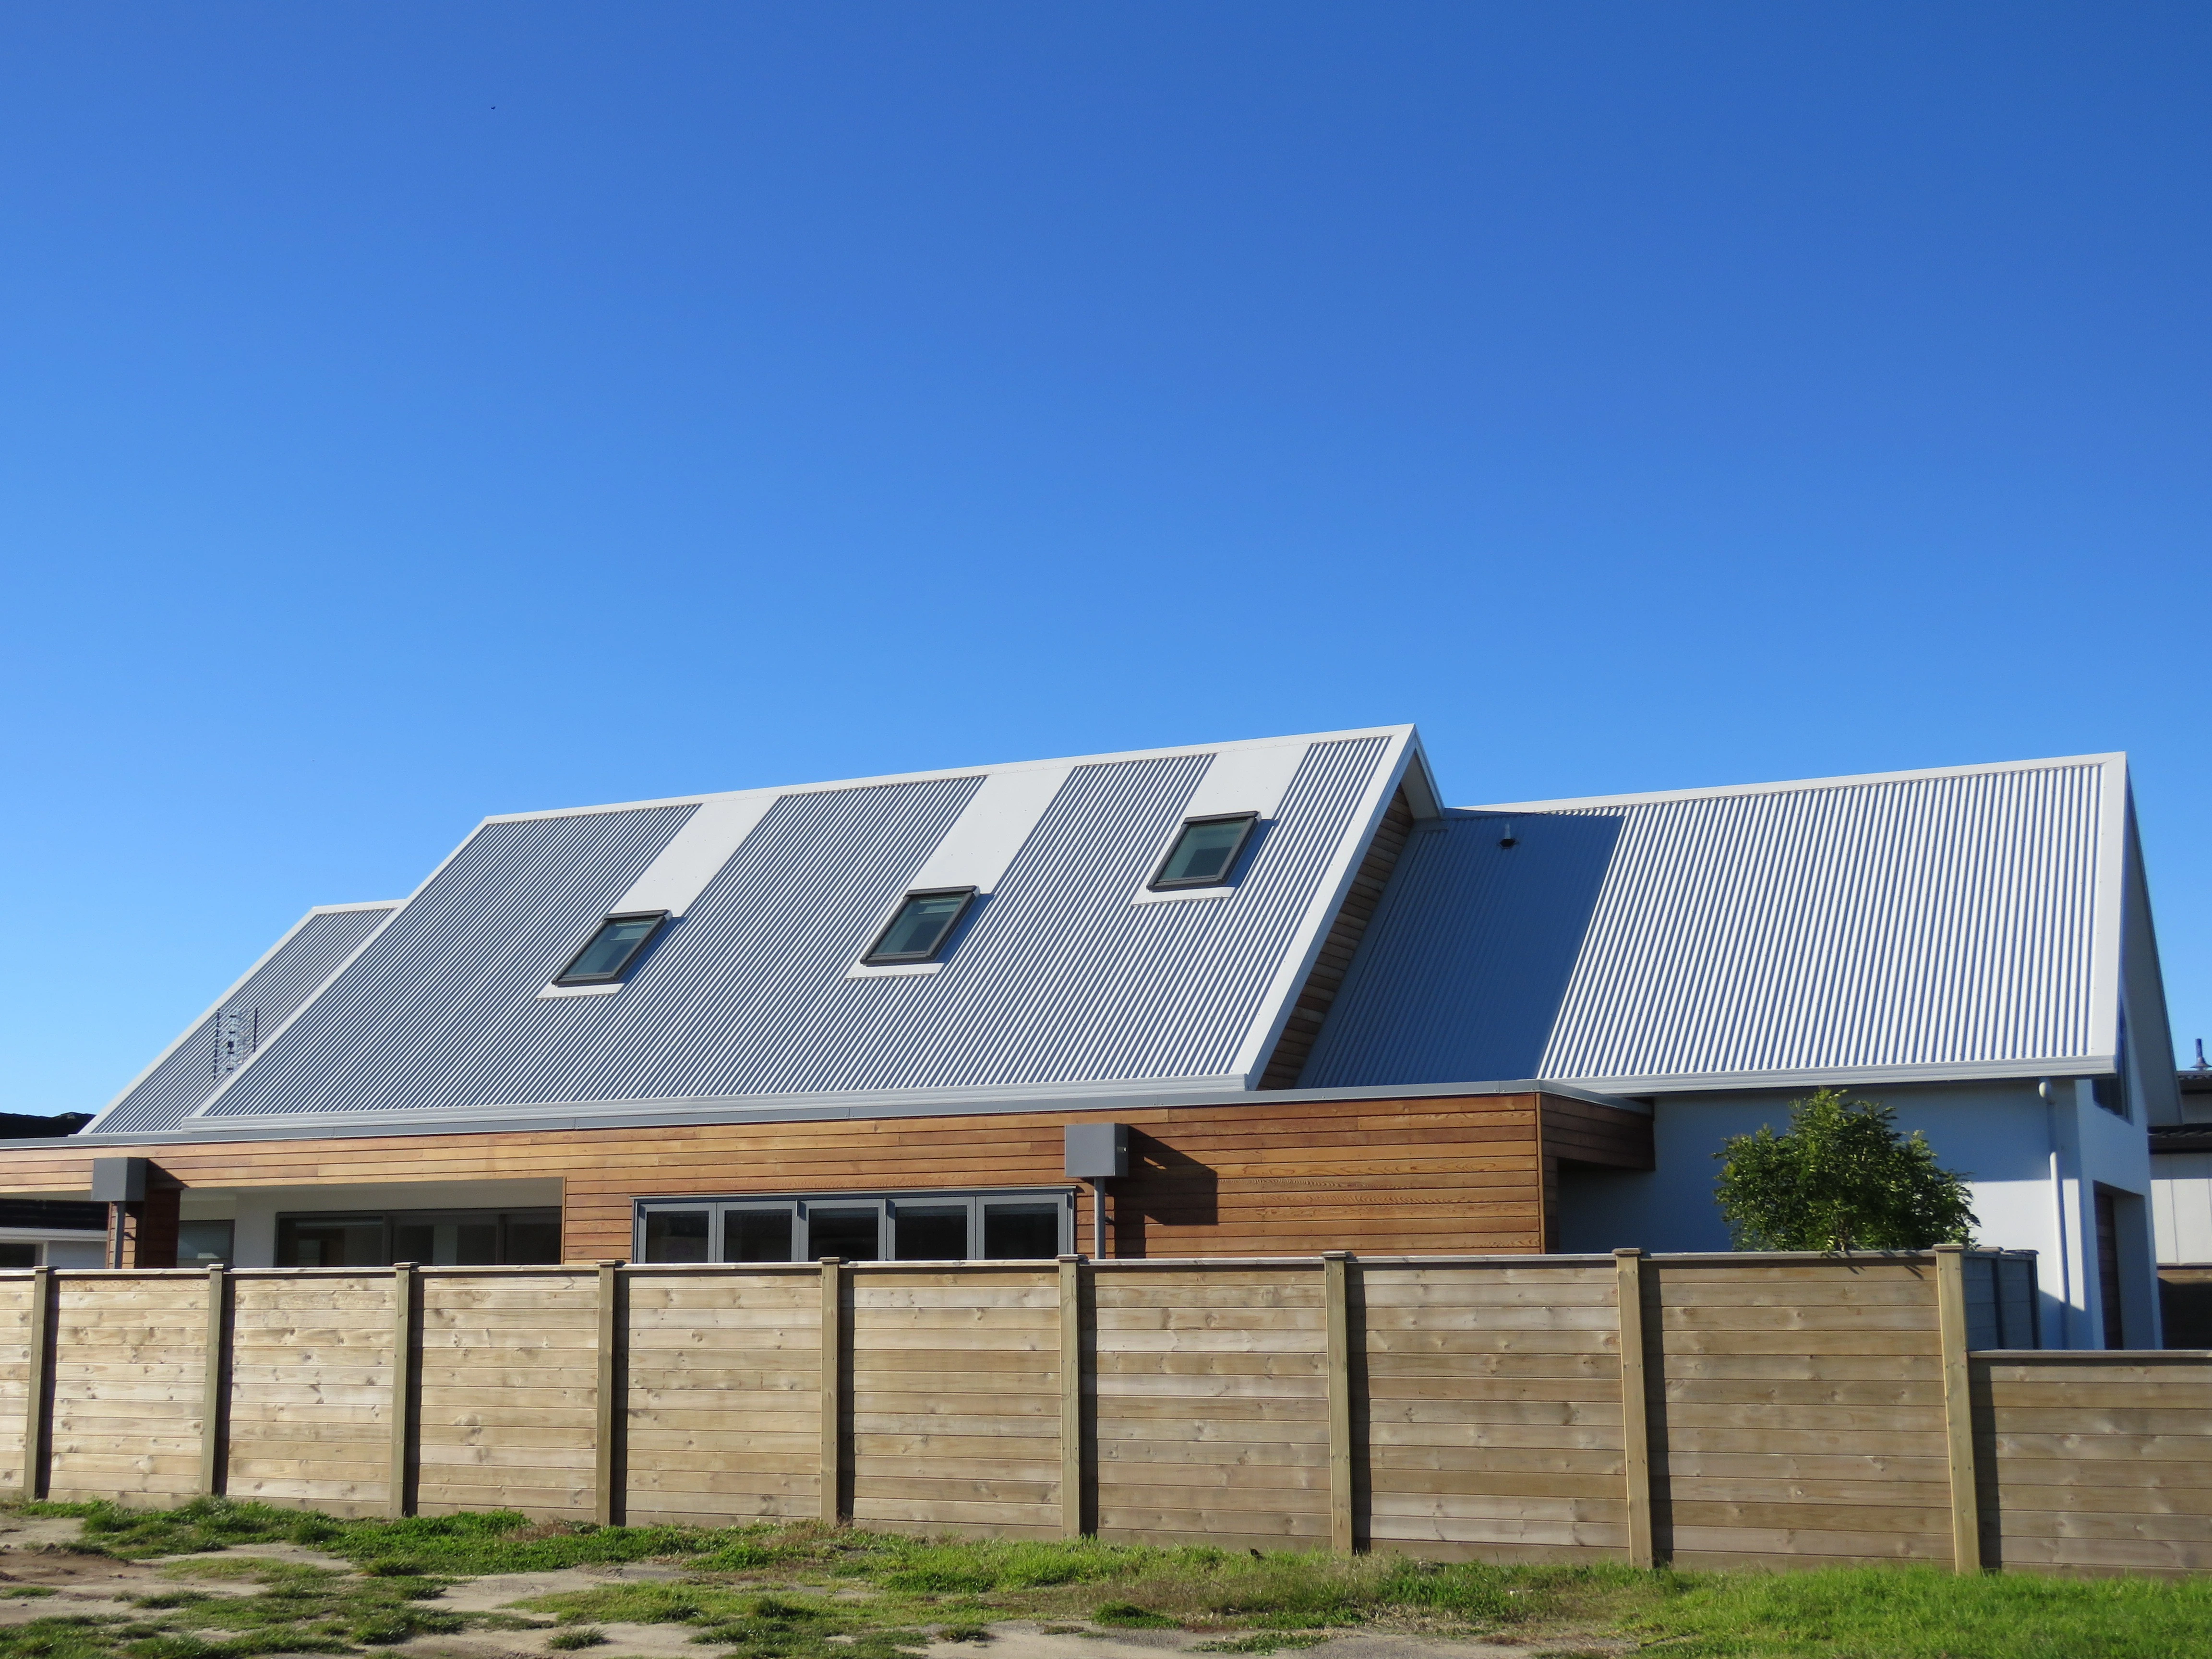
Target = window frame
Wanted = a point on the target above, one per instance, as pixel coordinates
(568, 978)
(875, 956)
(1160, 883)
(977, 1200)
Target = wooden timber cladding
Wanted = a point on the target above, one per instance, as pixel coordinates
(1712, 1411)
(1333, 960)
(1265, 1177)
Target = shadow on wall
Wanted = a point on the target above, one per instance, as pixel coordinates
(1461, 974)
(1166, 1188)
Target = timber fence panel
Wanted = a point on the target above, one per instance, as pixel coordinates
(130, 1376)
(1495, 1425)
(1212, 1394)
(17, 1293)
(2096, 1463)
(509, 1394)
(1803, 1411)
(725, 1391)
(954, 1399)
(310, 1389)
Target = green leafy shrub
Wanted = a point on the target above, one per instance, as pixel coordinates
(1841, 1178)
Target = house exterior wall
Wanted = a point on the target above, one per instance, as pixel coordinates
(2035, 1165)
(1277, 1177)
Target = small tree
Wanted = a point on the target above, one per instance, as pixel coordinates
(1842, 1179)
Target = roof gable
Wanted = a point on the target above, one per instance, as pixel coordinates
(1067, 974)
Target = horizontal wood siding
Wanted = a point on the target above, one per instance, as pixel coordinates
(130, 1376)
(1494, 1423)
(1803, 1416)
(1213, 1414)
(2096, 1463)
(509, 1392)
(1273, 1177)
(724, 1410)
(954, 1397)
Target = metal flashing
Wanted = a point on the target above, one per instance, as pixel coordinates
(381, 910)
(850, 1106)
(695, 855)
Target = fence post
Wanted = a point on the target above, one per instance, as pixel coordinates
(406, 1293)
(611, 1411)
(39, 1385)
(1958, 1407)
(1635, 1426)
(1341, 1536)
(1071, 1396)
(214, 1396)
(833, 1389)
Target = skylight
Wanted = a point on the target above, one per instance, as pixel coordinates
(920, 929)
(1206, 852)
(612, 951)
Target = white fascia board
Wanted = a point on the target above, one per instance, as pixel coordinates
(2060, 1065)
(1321, 914)
(2109, 761)
(231, 990)
(1069, 763)
(2107, 942)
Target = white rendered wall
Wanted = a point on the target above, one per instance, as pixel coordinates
(2033, 1165)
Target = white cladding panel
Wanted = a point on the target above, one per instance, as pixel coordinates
(1002, 814)
(676, 878)
(1246, 780)
(2181, 1202)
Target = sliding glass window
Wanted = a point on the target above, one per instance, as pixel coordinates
(986, 1226)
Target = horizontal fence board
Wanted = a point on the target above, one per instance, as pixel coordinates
(1795, 1407)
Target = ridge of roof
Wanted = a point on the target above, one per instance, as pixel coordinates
(1714, 792)
(1405, 731)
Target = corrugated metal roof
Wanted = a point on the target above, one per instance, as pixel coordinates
(1059, 978)
(191, 1068)
(1936, 923)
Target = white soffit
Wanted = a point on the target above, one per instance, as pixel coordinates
(1246, 780)
(674, 880)
(998, 818)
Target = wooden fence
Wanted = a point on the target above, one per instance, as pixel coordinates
(1716, 1411)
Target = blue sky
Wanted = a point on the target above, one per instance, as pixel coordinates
(416, 411)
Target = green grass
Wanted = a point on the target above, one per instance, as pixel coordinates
(805, 1591)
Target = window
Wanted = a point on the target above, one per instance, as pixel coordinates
(202, 1243)
(437, 1238)
(612, 950)
(1205, 852)
(1015, 1226)
(920, 929)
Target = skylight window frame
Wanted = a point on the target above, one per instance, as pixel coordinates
(1161, 884)
(569, 979)
(875, 955)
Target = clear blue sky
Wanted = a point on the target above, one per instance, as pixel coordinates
(416, 411)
